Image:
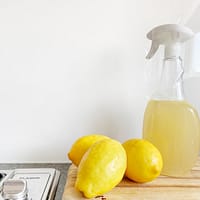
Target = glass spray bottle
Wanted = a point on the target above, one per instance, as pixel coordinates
(171, 123)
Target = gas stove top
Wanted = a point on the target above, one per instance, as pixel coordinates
(29, 184)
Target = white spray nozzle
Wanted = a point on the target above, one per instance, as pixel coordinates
(169, 35)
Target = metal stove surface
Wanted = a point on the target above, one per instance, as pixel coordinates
(41, 182)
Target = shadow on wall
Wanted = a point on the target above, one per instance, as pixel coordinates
(192, 94)
(116, 122)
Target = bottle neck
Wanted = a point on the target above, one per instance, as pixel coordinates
(171, 86)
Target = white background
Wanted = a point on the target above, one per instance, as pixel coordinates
(74, 67)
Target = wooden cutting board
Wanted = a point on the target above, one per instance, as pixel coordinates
(162, 188)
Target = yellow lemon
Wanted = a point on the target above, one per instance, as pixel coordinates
(81, 145)
(101, 168)
(144, 161)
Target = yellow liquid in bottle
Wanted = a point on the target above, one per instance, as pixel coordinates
(174, 128)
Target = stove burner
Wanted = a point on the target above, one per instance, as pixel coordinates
(29, 184)
(14, 189)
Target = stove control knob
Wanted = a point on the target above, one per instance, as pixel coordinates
(15, 189)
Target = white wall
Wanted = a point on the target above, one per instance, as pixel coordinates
(69, 68)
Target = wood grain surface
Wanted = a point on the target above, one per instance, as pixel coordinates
(162, 188)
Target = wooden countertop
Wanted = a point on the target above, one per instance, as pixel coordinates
(162, 188)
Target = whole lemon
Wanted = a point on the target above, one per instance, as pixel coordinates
(101, 168)
(144, 161)
(81, 145)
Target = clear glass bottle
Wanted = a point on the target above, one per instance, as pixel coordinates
(171, 123)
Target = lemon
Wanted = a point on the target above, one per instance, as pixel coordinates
(144, 161)
(101, 168)
(81, 145)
